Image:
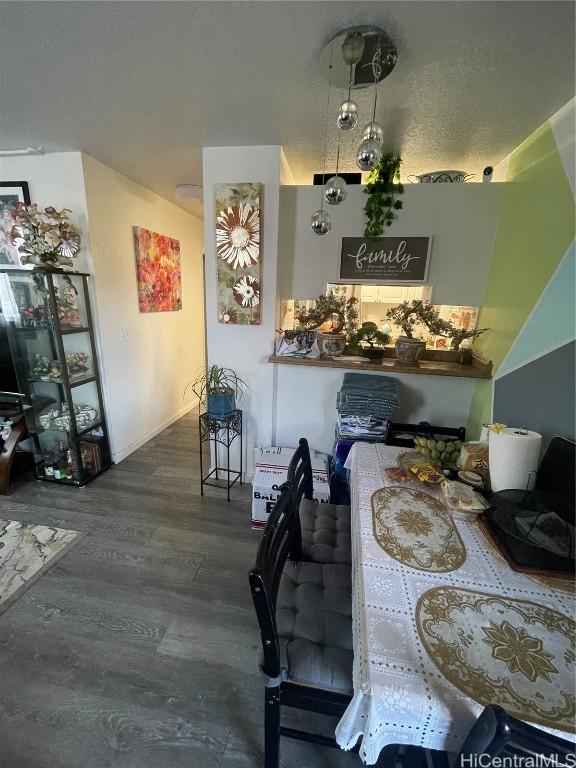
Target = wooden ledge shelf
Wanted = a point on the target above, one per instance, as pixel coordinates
(479, 368)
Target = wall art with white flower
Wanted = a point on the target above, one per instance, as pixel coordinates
(238, 223)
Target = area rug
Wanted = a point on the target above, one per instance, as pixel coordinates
(27, 551)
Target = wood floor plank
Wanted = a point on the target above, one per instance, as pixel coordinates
(138, 649)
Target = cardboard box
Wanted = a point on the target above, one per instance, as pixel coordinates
(281, 457)
(271, 471)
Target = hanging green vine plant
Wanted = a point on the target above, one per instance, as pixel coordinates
(382, 187)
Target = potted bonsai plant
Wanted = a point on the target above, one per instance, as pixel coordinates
(407, 315)
(334, 318)
(458, 335)
(218, 388)
(373, 337)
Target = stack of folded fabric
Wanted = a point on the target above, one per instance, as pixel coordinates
(365, 405)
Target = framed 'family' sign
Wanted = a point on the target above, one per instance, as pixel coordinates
(385, 259)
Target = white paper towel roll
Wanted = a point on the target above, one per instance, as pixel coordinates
(514, 455)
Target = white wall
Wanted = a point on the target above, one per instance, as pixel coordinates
(461, 219)
(55, 179)
(147, 358)
(245, 348)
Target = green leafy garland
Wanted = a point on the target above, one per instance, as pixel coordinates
(382, 187)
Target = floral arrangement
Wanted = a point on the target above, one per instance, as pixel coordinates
(77, 363)
(42, 367)
(48, 370)
(68, 312)
(44, 238)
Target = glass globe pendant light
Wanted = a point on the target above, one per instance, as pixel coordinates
(373, 131)
(370, 149)
(369, 152)
(352, 50)
(335, 189)
(321, 221)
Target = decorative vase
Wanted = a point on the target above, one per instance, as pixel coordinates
(373, 353)
(221, 404)
(409, 351)
(331, 344)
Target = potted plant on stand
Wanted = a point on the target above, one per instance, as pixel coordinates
(373, 337)
(219, 389)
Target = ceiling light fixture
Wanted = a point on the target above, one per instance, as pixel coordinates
(189, 190)
(368, 56)
(20, 152)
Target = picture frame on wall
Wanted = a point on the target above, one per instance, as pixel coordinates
(11, 192)
(385, 260)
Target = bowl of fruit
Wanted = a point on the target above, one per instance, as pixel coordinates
(441, 452)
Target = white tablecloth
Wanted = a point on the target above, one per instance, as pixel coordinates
(400, 697)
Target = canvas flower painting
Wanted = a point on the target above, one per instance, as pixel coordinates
(238, 226)
(158, 271)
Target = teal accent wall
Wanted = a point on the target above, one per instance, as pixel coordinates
(551, 323)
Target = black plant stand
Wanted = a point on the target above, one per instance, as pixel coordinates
(221, 430)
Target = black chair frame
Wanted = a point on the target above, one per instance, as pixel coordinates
(275, 546)
(458, 433)
(301, 483)
(498, 734)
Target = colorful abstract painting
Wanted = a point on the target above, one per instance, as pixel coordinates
(238, 224)
(158, 271)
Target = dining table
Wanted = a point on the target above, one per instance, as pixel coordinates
(442, 625)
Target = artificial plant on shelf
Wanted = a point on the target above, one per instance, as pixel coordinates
(321, 316)
(44, 238)
(458, 335)
(411, 313)
(370, 334)
(383, 188)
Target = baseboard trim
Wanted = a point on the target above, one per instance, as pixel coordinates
(119, 456)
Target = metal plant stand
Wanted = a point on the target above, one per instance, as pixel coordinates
(220, 430)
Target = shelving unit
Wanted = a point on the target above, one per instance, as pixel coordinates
(49, 326)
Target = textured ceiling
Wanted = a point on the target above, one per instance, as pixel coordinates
(143, 86)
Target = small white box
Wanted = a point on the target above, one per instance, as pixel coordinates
(271, 471)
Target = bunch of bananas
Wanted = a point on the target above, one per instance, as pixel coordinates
(442, 451)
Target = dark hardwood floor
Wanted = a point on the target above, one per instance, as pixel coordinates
(139, 648)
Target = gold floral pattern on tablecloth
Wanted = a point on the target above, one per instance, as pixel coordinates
(417, 530)
(529, 669)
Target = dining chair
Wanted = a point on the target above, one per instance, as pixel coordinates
(304, 612)
(494, 736)
(323, 532)
(402, 435)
